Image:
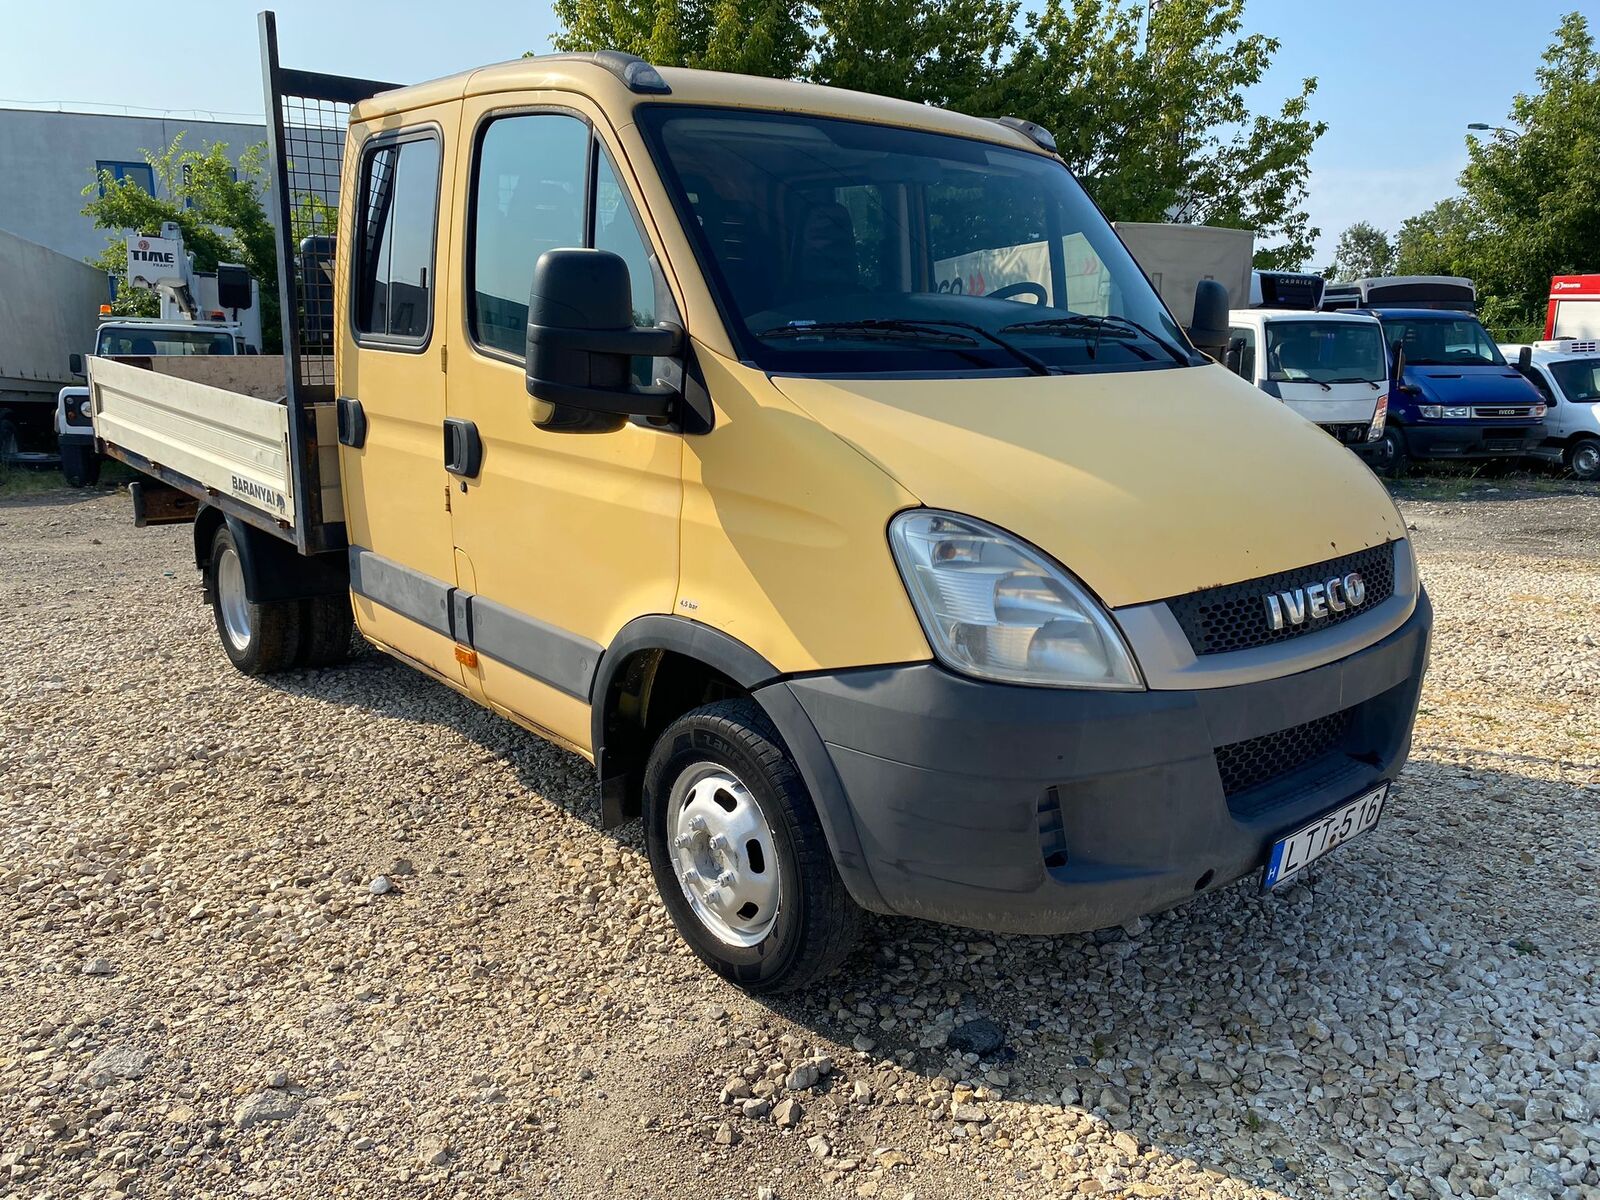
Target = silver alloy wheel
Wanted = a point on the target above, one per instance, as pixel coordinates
(231, 600)
(1586, 460)
(724, 854)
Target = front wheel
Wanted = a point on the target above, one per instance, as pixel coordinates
(80, 465)
(738, 852)
(1583, 459)
(1391, 459)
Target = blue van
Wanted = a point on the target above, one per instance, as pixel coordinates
(1454, 396)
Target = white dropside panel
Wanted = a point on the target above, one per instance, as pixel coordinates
(232, 444)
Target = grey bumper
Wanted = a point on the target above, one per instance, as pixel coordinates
(1048, 810)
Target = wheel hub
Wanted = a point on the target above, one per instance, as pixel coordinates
(723, 854)
(232, 602)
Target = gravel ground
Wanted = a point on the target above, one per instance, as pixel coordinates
(346, 934)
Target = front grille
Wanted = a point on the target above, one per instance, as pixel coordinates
(1234, 617)
(1521, 410)
(1254, 761)
(1348, 432)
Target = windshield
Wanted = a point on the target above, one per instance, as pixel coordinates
(839, 247)
(1578, 379)
(1325, 352)
(1577, 319)
(1442, 341)
(158, 342)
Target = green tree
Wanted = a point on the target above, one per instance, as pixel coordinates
(1155, 120)
(218, 209)
(751, 37)
(1534, 198)
(1438, 241)
(1160, 129)
(1529, 206)
(1363, 251)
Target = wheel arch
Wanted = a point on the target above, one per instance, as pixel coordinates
(659, 667)
(273, 568)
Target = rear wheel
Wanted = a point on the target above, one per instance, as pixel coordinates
(8, 446)
(80, 465)
(1583, 458)
(1390, 458)
(738, 852)
(259, 639)
(326, 625)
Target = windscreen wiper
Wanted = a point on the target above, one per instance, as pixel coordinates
(1108, 325)
(921, 330)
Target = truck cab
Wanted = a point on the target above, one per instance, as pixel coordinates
(1455, 395)
(1566, 372)
(1331, 368)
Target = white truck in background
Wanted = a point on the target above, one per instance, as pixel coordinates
(47, 311)
(204, 314)
(1331, 368)
(1177, 257)
(1567, 373)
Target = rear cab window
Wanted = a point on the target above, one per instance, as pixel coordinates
(393, 291)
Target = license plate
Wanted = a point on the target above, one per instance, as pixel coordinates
(1293, 854)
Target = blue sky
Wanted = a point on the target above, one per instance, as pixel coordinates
(1397, 81)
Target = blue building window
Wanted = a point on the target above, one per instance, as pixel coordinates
(188, 175)
(140, 173)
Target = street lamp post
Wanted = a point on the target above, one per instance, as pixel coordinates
(1481, 127)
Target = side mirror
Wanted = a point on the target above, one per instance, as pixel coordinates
(581, 340)
(1400, 384)
(1208, 330)
(75, 365)
(1525, 360)
(1235, 358)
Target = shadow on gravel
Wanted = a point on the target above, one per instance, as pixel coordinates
(1238, 1030)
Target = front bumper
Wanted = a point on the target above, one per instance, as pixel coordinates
(1472, 439)
(1039, 810)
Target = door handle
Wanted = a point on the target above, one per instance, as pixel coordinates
(352, 422)
(463, 448)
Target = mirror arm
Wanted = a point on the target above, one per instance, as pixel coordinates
(663, 340)
(649, 402)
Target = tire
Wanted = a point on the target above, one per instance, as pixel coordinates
(1391, 459)
(8, 446)
(1583, 459)
(326, 623)
(80, 466)
(259, 639)
(726, 761)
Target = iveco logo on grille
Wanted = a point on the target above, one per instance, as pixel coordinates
(1315, 601)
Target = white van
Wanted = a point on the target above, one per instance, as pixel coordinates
(1331, 368)
(1567, 373)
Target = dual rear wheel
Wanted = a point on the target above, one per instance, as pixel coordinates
(263, 637)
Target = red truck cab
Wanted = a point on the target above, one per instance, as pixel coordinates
(1574, 310)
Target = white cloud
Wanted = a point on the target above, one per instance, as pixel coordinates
(1385, 196)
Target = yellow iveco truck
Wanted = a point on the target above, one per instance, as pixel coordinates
(821, 467)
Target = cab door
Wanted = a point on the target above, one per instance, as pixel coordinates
(561, 538)
(391, 385)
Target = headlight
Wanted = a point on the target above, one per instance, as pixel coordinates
(1539, 410)
(1375, 430)
(1458, 411)
(1431, 410)
(995, 607)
